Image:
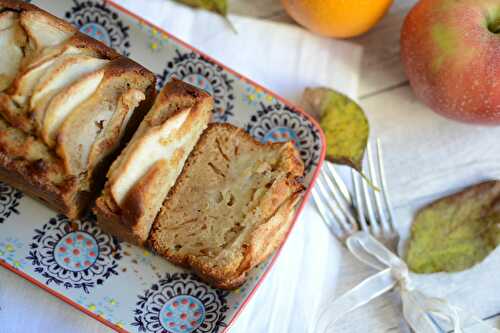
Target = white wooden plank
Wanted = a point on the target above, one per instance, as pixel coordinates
(423, 148)
(381, 65)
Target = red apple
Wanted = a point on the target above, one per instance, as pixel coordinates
(451, 54)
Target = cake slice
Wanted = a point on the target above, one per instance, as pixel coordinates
(231, 207)
(139, 180)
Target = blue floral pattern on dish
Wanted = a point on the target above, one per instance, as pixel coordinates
(9, 201)
(182, 313)
(181, 303)
(75, 254)
(97, 20)
(77, 251)
(279, 123)
(203, 73)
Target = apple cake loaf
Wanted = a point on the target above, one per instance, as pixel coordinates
(231, 206)
(139, 180)
(67, 104)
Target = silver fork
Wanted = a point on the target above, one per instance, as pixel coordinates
(369, 209)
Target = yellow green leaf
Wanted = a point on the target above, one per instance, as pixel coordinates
(456, 232)
(343, 122)
(218, 6)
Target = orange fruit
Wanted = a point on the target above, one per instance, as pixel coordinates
(337, 18)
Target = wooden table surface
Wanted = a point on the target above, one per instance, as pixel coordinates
(382, 79)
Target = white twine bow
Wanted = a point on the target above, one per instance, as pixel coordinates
(417, 307)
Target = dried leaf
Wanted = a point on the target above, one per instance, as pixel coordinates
(456, 232)
(217, 6)
(343, 122)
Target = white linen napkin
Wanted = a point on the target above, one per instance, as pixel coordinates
(285, 59)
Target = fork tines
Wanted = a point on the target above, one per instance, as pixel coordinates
(369, 210)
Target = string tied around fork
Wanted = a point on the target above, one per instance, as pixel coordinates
(400, 273)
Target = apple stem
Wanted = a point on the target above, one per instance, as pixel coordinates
(494, 26)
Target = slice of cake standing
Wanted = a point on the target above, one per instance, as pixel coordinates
(231, 207)
(139, 180)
